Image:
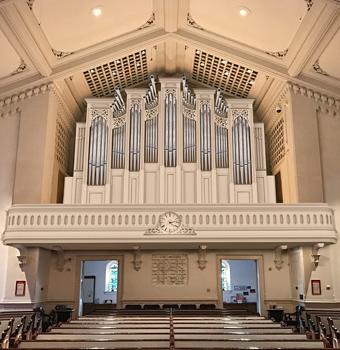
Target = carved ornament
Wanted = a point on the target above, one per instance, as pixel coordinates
(221, 121)
(239, 112)
(189, 113)
(151, 113)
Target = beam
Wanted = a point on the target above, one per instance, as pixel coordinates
(316, 27)
(23, 35)
(171, 15)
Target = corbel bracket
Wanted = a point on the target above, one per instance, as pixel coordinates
(202, 257)
(278, 256)
(60, 264)
(23, 255)
(137, 258)
(316, 254)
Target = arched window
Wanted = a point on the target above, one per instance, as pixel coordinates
(111, 280)
(225, 275)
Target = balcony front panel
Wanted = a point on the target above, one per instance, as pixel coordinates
(44, 225)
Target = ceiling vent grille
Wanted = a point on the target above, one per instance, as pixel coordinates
(123, 72)
(231, 78)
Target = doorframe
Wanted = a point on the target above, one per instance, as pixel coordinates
(78, 275)
(94, 286)
(260, 276)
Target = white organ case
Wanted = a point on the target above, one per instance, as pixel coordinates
(169, 144)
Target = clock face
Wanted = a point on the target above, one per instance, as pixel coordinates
(169, 222)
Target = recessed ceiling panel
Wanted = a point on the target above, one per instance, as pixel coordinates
(329, 60)
(268, 25)
(233, 79)
(124, 72)
(70, 25)
(10, 60)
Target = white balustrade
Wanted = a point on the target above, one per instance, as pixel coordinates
(311, 222)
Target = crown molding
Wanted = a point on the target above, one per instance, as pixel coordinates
(325, 103)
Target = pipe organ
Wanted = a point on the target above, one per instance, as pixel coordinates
(169, 144)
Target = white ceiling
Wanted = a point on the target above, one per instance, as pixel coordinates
(329, 61)
(10, 60)
(70, 26)
(270, 26)
(37, 28)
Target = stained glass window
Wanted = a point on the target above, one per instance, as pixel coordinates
(225, 275)
(111, 282)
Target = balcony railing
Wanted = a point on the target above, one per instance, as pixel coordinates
(110, 223)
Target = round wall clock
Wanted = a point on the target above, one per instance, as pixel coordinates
(170, 222)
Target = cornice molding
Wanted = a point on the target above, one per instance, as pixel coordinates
(10, 104)
(325, 103)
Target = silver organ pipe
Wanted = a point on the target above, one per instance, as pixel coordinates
(98, 152)
(151, 140)
(221, 146)
(221, 107)
(170, 151)
(241, 152)
(189, 125)
(151, 125)
(135, 134)
(205, 118)
(118, 147)
(189, 140)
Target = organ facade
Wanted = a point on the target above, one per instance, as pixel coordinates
(169, 144)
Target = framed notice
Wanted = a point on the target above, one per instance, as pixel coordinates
(316, 287)
(20, 288)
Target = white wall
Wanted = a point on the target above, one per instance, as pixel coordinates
(98, 269)
(242, 273)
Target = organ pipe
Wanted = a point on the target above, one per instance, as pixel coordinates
(151, 140)
(189, 140)
(170, 155)
(221, 146)
(241, 152)
(97, 152)
(118, 147)
(221, 107)
(135, 134)
(205, 119)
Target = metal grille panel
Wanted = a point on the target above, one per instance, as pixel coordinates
(233, 79)
(277, 144)
(123, 72)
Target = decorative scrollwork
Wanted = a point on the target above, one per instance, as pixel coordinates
(136, 101)
(151, 113)
(169, 91)
(204, 102)
(103, 112)
(30, 4)
(22, 67)
(309, 4)
(221, 121)
(61, 54)
(117, 122)
(240, 112)
(317, 68)
(277, 54)
(189, 113)
(193, 23)
(149, 22)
